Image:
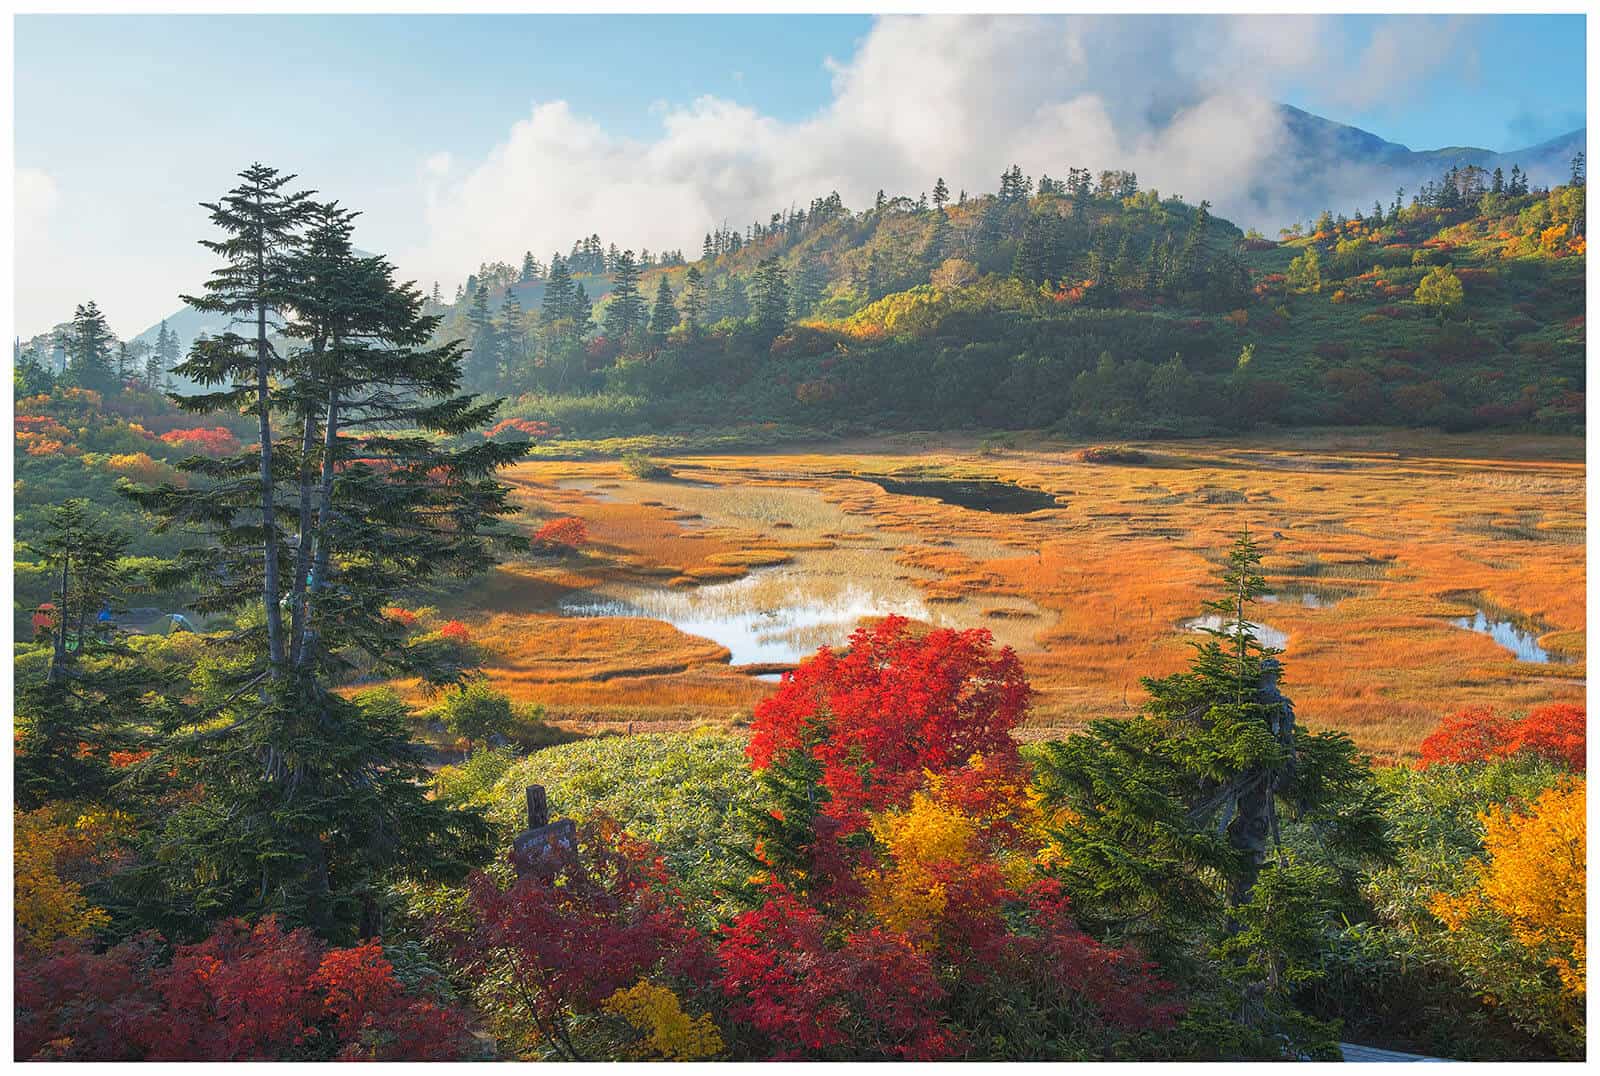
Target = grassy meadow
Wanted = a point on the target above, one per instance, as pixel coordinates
(1377, 541)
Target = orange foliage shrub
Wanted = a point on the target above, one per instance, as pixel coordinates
(533, 429)
(140, 467)
(404, 617)
(215, 441)
(456, 632)
(568, 532)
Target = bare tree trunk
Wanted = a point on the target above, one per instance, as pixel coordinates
(269, 521)
(58, 660)
(299, 612)
(319, 566)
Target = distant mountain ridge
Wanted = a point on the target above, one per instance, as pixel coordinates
(1329, 165)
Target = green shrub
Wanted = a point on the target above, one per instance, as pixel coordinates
(1110, 454)
(472, 781)
(477, 711)
(1400, 978)
(641, 466)
(687, 793)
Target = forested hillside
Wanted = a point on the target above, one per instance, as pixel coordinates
(1083, 304)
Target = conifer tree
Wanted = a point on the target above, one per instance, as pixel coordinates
(582, 312)
(696, 301)
(311, 799)
(483, 356)
(626, 311)
(941, 193)
(664, 317)
(89, 341)
(809, 282)
(93, 694)
(259, 220)
(558, 294)
(1178, 811)
(512, 332)
(771, 296)
(937, 247)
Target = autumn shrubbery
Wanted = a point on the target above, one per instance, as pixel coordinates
(881, 896)
(1555, 732)
(1110, 454)
(245, 993)
(1476, 945)
(562, 535)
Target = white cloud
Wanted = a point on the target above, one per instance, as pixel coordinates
(1184, 102)
(437, 164)
(36, 200)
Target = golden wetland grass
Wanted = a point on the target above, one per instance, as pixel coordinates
(1376, 542)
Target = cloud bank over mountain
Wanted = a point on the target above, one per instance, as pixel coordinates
(1187, 103)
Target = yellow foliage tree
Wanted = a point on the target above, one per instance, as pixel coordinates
(1533, 876)
(905, 894)
(49, 906)
(668, 1033)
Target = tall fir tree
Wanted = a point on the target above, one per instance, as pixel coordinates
(557, 304)
(313, 800)
(89, 350)
(259, 219)
(1175, 815)
(696, 300)
(771, 296)
(664, 315)
(625, 313)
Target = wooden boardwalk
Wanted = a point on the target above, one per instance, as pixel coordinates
(1354, 1052)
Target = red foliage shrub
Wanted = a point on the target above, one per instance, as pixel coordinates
(873, 996)
(406, 618)
(245, 993)
(568, 532)
(574, 930)
(44, 619)
(531, 429)
(1477, 733)
(891, 706)
(1468, 735)
(1121, 990)
(218, 441)
(1556, 732)
(456, 632)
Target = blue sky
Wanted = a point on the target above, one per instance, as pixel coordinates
(124, 122)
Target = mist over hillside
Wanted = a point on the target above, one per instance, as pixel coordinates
(1319, 164)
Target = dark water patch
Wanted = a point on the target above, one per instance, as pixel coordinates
(976, 494)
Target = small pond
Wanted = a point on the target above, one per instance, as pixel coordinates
(977, 494)
(1519, 637)
(1308, 595)
(779, 616)
(1265, 633)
